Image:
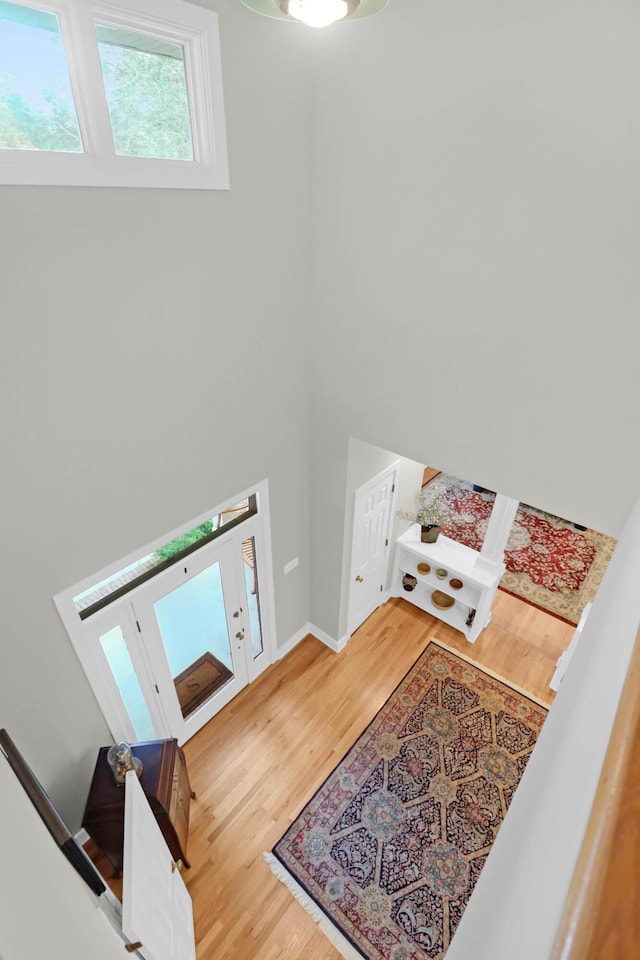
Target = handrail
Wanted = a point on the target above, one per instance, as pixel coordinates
(600, 919)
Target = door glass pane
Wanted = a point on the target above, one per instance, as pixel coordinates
(37, 111)
(193, 626)
(146, 88)
(253, 594)
(115, 650)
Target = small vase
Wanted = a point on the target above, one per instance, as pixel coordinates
(430, 533)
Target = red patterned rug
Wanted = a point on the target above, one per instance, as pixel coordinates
(387, 853)
(550, 562)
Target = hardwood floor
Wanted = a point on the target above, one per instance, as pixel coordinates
(257, 762)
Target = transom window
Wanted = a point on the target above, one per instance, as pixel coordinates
(103, 93)
(99, 595)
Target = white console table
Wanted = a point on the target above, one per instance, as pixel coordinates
(475, 580)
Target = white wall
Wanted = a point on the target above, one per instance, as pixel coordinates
(154, 351)
(46, 909)
(476, 220)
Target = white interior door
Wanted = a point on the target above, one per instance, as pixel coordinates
(373, 512)
(156, 906)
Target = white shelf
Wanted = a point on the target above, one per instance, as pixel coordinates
(480, 579)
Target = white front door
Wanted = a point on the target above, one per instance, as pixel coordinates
(166, 650)
(194, 623)
(373, 514)
(156, 907)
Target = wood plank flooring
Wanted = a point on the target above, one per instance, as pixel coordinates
(257, 762)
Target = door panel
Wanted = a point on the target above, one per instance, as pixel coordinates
(370, 546)
(191, 622)
(156, 906)
(195, 634)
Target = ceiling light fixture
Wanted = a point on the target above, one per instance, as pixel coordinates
(316, 13)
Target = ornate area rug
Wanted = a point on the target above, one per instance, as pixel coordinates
(387, 853)
(549, 562)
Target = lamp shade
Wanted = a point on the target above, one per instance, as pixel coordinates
(316, 13)
(120, 759)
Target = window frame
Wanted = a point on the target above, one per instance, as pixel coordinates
(194, 28)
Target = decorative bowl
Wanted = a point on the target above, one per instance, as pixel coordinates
(441, 600)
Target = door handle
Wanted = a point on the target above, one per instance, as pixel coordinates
(239, 635)
(359, 579)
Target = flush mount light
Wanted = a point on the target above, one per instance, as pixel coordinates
(316, 13)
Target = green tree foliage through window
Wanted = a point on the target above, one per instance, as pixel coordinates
(147, 96)
(49, 124)
(36, 104)
(169, 550)
(144, 81)
(123, 93)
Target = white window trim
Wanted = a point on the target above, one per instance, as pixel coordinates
(197, 30)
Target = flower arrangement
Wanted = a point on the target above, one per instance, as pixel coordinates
(428, 512)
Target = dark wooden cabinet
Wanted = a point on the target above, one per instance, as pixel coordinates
(166, 785)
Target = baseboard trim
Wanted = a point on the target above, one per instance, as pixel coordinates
(336, 645)
(293, 641)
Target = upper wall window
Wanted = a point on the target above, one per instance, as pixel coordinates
(37, 110)
(108, 94)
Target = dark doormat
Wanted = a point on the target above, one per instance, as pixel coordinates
(199, 681)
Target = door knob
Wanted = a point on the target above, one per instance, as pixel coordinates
(359, 579)
(239, 635)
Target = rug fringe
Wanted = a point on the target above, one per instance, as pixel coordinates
(328, 928)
